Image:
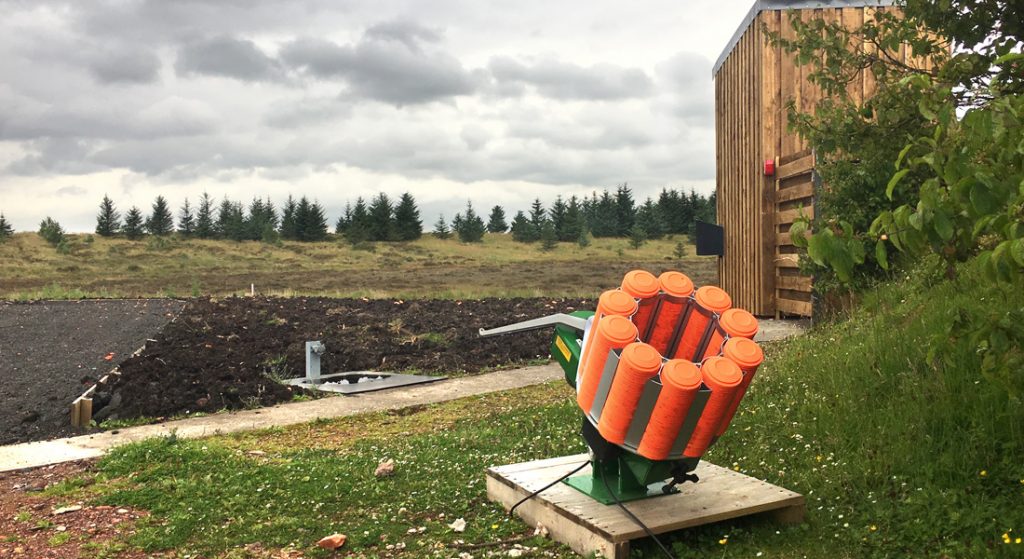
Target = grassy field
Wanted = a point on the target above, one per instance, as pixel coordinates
(102, 267)
(898, 456)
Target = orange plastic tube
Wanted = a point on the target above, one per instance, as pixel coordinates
(737, 323)
(680, 381)
(709, 299)
(643, 286)
(611, 302)
(723, 377)
(748, 355)
(676, 289)
(612, 332)
(638, 363)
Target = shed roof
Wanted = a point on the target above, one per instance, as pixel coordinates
(763, 5)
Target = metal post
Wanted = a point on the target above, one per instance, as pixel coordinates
(313, 352)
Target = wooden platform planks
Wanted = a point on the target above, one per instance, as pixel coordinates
(588, 526)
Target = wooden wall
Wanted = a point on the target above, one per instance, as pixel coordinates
(752, 88)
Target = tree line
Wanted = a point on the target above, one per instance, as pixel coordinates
(575, 219)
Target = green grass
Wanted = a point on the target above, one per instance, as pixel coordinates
(897, 456)
(115, 267)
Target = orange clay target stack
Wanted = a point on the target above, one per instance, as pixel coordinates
(660, 369)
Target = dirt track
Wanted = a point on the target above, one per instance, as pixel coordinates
(51, 351)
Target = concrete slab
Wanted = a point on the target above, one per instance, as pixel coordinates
(42, 453)
(771, 330)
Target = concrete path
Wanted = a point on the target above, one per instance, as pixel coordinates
(42, 453)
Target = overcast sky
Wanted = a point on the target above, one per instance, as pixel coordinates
(496, 102)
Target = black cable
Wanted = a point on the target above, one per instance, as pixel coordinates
(647, 530)
(545, 488)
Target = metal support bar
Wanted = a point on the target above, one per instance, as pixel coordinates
(559, 319)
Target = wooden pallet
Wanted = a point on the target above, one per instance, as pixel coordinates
(588, 526)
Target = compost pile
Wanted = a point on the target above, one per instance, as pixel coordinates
(232, 353)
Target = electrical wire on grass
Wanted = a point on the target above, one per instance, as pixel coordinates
(545, 488)
(632, 516)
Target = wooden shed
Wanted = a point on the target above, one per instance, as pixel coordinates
(753, 83)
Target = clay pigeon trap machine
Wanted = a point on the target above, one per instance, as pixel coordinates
(659, 369)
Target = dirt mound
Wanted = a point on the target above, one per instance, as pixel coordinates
(230, 353)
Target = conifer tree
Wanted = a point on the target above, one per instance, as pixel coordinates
(637, 236)
(407, 219)
(457, 223)
(472, 228)
(186, 221)
(572, 223)
(441, 230)
(289, 225)
(262, 215)
(231, 220)
(205, 228)
(382, 219)
(496, 222)
(344, 220)
(649, 217)
(358, 229)
(603, 220)
(548, 236)
(133, 226)
(625, 211)
(5, 228)
(522, 230)
(108, 221)
(537, 215)
(557, 217)
(51, 231)
(160, 223)
(310, 221)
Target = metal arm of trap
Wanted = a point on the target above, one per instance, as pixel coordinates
(560, 319)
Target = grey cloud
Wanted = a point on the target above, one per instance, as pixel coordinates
(686, 81)
(126, 65)
(71, 190)
(403, 31)
(562, 80)
(228, 57)
(299, 113)
(383, 70)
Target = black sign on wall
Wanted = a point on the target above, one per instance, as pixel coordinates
(710, 239)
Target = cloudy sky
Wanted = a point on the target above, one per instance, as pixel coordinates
(496, 102)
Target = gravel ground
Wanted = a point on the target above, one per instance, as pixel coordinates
(51, 351)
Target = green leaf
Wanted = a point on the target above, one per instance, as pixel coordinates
(818, 248)
(943, 226)
(882, 255)
(894, 181)
(982, 200)
(797, 233)
(903, 153)
(1017, 251)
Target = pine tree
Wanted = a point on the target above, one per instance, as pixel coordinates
(649, 217)
(572, 224)
(441, 230)
(472, 228)
(603, 220)
(310, 221)
(382, 219)
(289, 225)
(231, 221)
(457, 223)
(5, 228)
(625, 211)
(160, 223)
(584, 239)
(548, 236)
(407, 219)
(133, 226)
(51, 231)
(205, 228)
(557, 217)
(537, 215)
(496, 223)
(358, 229)
(522, 230)
(637, 236)
(108, 221)
(262, 215)
(186, 221)
(344, 220)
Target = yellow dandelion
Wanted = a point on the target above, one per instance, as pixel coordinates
(1017, 541)
(723, 541)
(494, 526)
(1006, 537)
(873, 528)
(983, 473)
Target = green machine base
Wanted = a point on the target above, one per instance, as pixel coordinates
(594, 488)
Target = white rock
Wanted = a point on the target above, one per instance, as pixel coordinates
(459, 525)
